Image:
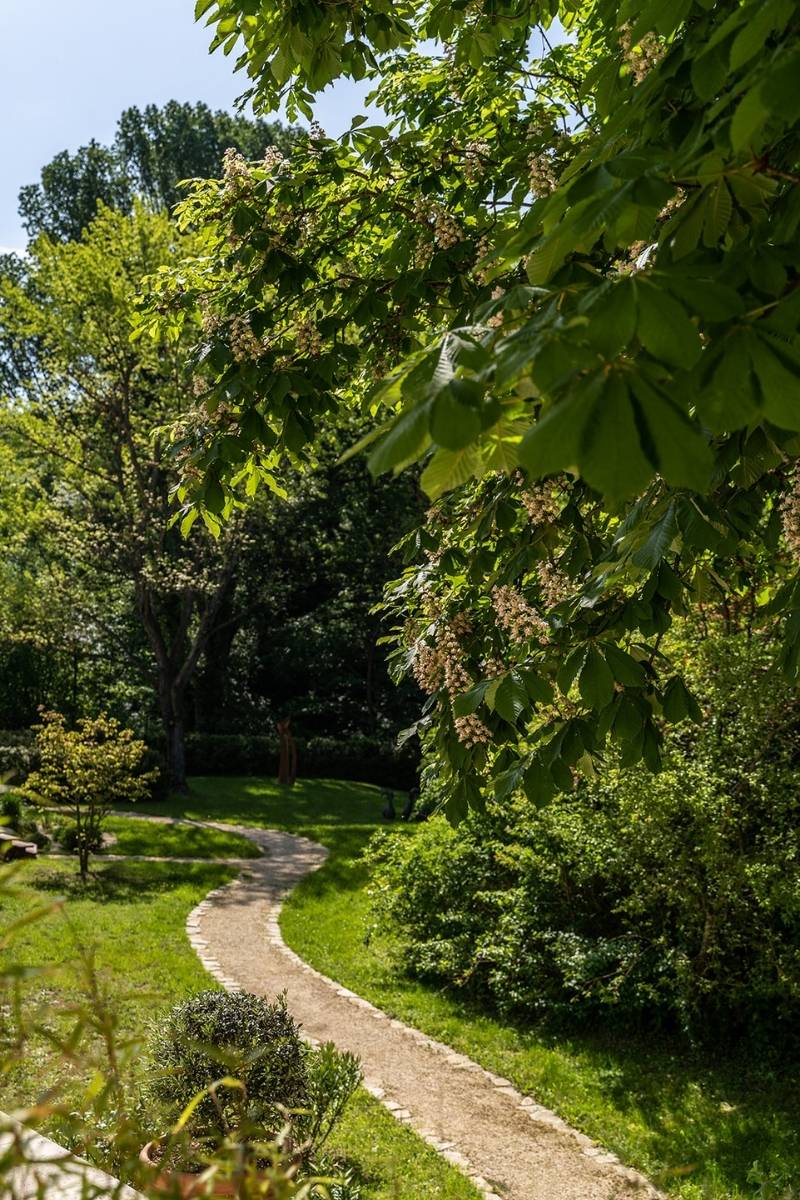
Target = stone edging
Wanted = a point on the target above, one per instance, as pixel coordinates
(628, 1176)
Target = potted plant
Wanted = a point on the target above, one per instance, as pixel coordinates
(238, 1087)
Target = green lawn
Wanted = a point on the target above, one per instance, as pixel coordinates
(176, 841)
(707, 1126)
(133, 914)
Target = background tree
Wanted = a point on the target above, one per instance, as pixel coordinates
(87, 421)
(153, 151)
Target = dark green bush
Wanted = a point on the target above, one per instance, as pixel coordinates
(244, 1037)
(68, 838)
(214, 1035)
(673, 897)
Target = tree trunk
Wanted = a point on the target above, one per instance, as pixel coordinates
(171, 702)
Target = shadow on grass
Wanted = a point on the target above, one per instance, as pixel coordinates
(125, 882)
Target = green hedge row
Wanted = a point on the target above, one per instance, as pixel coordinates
(359, 758)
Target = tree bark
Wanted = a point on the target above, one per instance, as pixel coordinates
(173, 717)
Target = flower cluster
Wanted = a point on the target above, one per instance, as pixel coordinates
(554, 584)
(542, 176)
(208, 318)
(539, 503)
(236, 173)
(446, 230)
(273, 158)
(475, 157)
(427, 668)
(481, 250)
(243, 342)
(790, 514)
(496, 321)
(308, 339)
(471, 731)
(642, 56)
(516, 616)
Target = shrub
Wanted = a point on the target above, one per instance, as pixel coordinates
(215, 1034)
(18, 756)
(70, 838)
(87, 770)
(11, 809)
(675, 896)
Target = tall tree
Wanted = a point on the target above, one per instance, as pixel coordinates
(155, 149)
(86, 421)
(573, 257)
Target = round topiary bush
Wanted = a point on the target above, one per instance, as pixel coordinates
(215, 1035)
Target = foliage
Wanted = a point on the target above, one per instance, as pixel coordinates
(568, 250)
(155, 149)
(671, 898)
(359, 758)
(87, 770)
(332, 1078)
(82, 426)
(203, 1045)
(213, 1037)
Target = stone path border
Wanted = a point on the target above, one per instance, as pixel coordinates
(509, 1146)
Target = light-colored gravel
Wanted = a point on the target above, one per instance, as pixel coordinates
(508, 1144)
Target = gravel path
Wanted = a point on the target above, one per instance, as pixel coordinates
(511, 1147)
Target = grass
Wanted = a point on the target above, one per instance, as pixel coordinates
(706, 1126)
(133, 915)
(176, 841)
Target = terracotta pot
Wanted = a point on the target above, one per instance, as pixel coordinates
(183, 1183)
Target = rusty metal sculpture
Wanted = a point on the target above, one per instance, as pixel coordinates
(287, 767)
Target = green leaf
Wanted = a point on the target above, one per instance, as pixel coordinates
(750, 116)
(728, 401)
(659, 540)
(611, 458)
(511, 699)
(453, 425)
(665, 329)
(678, 703)
(596, 682)
(469, 701)
(551, 444)
(405, 441)
(450, 468)
(718, 212)
(626, 669)
(569, 669)
(612, 318)
(680, 452)
(780, 387)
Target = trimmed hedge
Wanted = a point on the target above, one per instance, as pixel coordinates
(358, 758)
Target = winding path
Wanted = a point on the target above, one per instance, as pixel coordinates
(510, 1147)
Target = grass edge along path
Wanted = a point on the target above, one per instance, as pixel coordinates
(725, 1131)
(126, 910)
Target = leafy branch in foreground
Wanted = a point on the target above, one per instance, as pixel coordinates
(569, 251)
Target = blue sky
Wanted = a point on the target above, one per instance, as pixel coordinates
(69, 67)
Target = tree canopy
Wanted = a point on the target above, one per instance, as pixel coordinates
(154, 150)
(567, 253)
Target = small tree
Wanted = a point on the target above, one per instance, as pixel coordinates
(87, 770)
